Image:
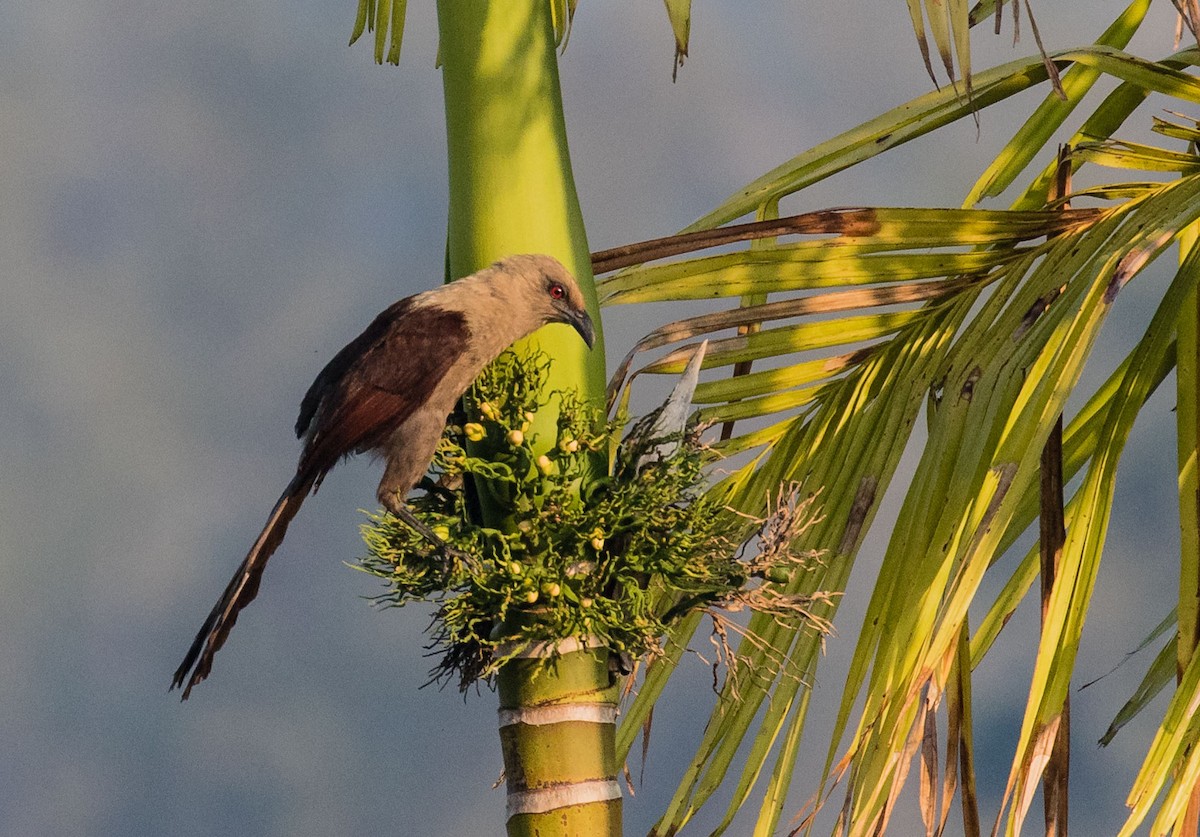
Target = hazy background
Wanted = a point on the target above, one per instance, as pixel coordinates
(199, 204)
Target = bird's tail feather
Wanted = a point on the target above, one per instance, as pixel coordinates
(242, 588)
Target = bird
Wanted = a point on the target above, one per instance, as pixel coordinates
(390, 392)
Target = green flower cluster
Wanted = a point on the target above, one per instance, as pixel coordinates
(600, 539)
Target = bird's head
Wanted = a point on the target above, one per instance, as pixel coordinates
(551, 292)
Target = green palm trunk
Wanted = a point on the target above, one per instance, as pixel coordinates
(512, 191)
(511, 186)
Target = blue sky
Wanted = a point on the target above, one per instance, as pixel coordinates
(201, 203)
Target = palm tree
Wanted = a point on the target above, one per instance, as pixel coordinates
(847, 336)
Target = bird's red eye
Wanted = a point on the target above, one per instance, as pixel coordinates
(557, 291)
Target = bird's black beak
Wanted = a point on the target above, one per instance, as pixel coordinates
(581, 322)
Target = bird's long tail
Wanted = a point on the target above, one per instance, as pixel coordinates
(242, 588)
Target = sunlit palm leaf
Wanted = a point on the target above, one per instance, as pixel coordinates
(1187, 422)
(878, 251)
(680, 14)
(1081, 554)
(1033, 136)
(1158, 675)
(870, 411)
(947, 23)
(1079, 443)
(1167, 754)
(562, 16)
(385, 18)
(933, 110)
(1131, 155)
(976, 318)
(990, 439)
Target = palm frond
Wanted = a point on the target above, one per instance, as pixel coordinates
(858, 321)
(385, 18)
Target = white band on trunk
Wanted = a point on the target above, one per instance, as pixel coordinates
(544, 649)
(541, 800)
(557, 713)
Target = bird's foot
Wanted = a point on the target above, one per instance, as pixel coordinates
(453, 557)
(450, 555)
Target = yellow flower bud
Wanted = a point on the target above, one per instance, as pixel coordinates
(474, 431)
(487, 410)
(531, 596)
(545, 465)
(551, 589)
(570, 445)
(516, 437)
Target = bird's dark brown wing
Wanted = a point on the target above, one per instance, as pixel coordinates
(341, 363)
(377, 381)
